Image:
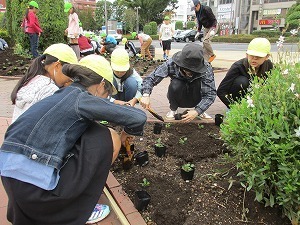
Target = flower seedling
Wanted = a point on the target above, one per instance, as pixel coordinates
(145, 183)
(188, 167)
(200, 126)
(168, 125)
(103, 122)
(158, 143)
(182, 140)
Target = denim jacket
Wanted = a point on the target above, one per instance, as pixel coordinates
(49, 129)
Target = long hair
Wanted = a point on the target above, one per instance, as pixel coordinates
(27, 11)
(85, 76)
(37, 67)
(262, 70)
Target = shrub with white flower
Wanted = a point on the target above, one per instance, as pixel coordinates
(263, 131)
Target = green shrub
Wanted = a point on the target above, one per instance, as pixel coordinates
(153, 25)
(147, 29)
(179, 25)
(266, 33)
(239, 38)
(190, 25)
(154, 37)
(263, 131)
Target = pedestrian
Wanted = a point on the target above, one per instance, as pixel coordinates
(109, 42)
(192, 83)
(208, 21)
(165, 36)
(145, 41)
(129, 47)
(43, 78)
(32, 28)
(238, 78)
(55, 159)
(73, 29)
(85, 45)
(126, 79)
(3, 45)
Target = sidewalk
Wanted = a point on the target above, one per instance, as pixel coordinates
(123, 211)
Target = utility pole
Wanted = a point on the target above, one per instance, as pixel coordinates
(137, 19)
(105, 12)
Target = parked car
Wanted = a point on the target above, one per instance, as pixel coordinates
(176, 33)
(114, 33)
(188, 35)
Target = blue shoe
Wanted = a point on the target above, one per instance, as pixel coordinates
(99, 213)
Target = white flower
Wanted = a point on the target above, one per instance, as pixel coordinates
(297, 95)
(285, 72)
(279, 44)
(257, 86)
(297, 132)
(294, 32)
(292, 87)
(281, 39)
(250, 102)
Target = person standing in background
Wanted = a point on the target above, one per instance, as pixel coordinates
(73, 29)
(165, 36)
(206, 19)
(145, 41)
(32, 27)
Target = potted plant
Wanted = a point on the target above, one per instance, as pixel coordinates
(141, 200)
(157, 128)
(160, 148)
(187, 171)
(142, 158)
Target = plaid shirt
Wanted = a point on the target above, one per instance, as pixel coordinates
(170, 69)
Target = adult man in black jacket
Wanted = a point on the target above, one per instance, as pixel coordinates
(207, 19)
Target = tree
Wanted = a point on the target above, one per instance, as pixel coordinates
(190, 25)
(100, 12)
(293, 16)
(178, 25)
(130, 20)
(150, 10)
(87, 19)
(52, 18)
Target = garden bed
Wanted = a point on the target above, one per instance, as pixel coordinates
(207, 199)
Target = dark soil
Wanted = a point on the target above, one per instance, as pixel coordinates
(208, 198)
(11, 64)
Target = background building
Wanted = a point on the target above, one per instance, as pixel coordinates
(2, 5)
(240, 16)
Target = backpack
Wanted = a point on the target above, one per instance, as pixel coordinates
(24, 25)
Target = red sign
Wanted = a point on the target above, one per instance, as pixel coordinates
(269, 22)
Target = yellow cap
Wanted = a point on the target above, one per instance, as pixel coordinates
(260, 47)
(100, 66)
(63, 52)
(120, 60)
(124, 40)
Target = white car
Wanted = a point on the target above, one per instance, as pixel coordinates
(114, 33)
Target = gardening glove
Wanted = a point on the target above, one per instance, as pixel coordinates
(189, 116)
(197, 35)
(145, 102)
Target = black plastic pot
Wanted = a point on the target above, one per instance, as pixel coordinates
(157, 128)
(187, 175)
(141, 200)
(178, 116)
(142, 158)
(218, 119)
(160, 151)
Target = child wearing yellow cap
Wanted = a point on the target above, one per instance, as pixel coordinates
(43, 78)
(55, 158)
(126, 79)
(238, 78)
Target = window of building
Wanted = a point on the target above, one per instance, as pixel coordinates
(225, 2)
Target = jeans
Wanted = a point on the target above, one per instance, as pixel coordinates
(127, 90)
(183, 94)
(34, 44)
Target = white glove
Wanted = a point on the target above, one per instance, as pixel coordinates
(197, 35)
(212, 33)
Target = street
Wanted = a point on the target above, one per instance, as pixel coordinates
(224, 46)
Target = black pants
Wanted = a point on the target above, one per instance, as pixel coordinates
(110, 47)
(81, 183)
(237, 90)
(184, 94)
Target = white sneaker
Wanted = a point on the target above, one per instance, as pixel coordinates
(171, 115)
(204, 116)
